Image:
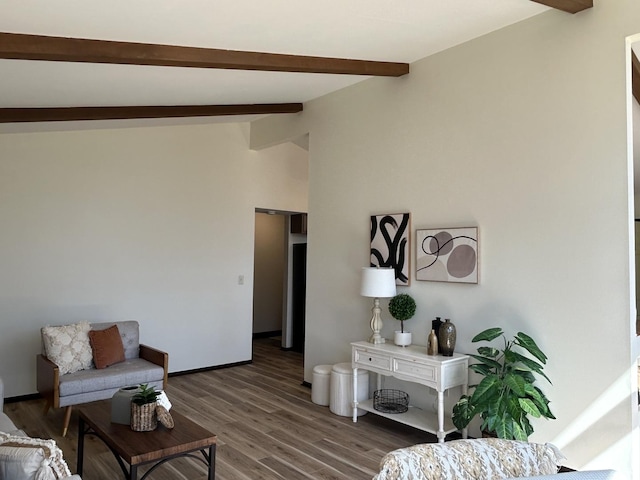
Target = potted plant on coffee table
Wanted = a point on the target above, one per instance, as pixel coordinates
(143, 409)
(402, 307)
(507, 394)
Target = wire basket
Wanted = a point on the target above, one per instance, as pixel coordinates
(390, 401)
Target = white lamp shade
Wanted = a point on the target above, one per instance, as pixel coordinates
(378, 282)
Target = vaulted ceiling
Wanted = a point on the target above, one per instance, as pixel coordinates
(228, 57)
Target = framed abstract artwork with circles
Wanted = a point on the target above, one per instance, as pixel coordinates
(447, 255)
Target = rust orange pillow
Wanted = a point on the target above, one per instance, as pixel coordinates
(107, 346)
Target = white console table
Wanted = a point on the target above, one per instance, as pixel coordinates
(411, 364)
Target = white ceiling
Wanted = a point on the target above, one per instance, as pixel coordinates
(384, 30)
(398, 31)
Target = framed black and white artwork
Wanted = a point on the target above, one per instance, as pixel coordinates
(390, 240)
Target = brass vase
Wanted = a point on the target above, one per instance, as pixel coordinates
(432, 343)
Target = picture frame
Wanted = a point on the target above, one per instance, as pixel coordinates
(447, 255)
(390, 244)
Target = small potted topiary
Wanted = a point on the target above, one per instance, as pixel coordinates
(143, 409)
(402, 307)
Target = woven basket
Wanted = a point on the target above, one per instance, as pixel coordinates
(164, 417)
(143, 417)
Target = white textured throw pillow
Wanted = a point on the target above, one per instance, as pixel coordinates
(24, 458)
(68, 346)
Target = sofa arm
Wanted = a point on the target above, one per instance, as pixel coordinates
(157, 357)
(48, 380)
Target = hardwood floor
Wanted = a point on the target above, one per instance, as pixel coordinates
(266, 424)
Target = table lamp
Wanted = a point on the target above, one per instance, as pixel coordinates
(377, 283)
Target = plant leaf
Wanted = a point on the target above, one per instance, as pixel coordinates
(512, 407)
(481, 369)
(535, 395)
(518, 432)
(488, 361)
(525, 341)
(532, 364)
(529, 407)
(524, 372)
(528, 429)
(459, 409)
(463, 413)
(487, 335)
(495, 425)
(495, 408)
(516, 383)
(502, 428)
(487, 388)
(544, 406)
(489, 351)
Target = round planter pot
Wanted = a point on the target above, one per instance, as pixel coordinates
(402, 339)
(121, 405)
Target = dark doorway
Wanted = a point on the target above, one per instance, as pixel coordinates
(298, 293)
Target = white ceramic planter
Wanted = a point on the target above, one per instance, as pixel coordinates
(402, 339)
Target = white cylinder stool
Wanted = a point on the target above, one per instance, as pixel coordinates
(341, 397)
(320, 384)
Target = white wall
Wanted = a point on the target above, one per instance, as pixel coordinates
(152, 224)
(522, 133)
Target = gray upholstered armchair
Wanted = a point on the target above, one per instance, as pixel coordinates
(25, 458)
(6, 425)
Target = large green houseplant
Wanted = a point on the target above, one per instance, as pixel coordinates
(506, 396)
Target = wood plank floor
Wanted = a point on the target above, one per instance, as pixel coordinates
(266, 424)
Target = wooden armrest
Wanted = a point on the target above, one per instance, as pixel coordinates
(157, 357)
(48, 380)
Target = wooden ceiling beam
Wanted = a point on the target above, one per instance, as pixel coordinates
(570, 6)
(635, 76)
(62, 114)
(62, 49)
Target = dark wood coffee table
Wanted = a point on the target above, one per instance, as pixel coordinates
(142, 448)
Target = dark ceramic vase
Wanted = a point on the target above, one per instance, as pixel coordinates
(435, 326)
(447, 338)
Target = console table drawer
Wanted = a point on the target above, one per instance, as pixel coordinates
(414, 369)
(375, 360)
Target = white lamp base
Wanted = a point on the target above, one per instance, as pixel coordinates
(376, 323)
